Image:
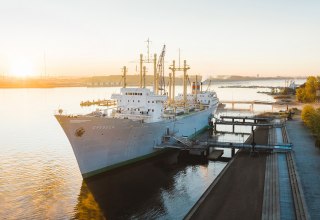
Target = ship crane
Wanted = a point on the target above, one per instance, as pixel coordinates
(160, 82)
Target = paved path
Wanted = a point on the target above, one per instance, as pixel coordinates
(307, 159)
(239, 192)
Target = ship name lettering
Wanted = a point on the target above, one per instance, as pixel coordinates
(102, 127)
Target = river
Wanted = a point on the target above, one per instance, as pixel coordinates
(39, 175)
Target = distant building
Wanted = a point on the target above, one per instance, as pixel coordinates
(292, 85)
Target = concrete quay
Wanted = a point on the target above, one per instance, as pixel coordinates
(307, 162)
(264, 186)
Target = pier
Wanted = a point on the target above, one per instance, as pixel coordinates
(243, 121)
(200, 147)
(264, 186)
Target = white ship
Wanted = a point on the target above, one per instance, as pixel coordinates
(104, 140)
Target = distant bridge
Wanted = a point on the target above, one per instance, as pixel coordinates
(251, 103)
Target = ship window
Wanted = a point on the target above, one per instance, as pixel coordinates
(128, 100)
(138, 100)
(148, 101)
(152, 101)
(140, 93)
(128, 108)
(152, 110)
(132, 100)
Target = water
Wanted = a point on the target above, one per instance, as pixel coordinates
(40, 179)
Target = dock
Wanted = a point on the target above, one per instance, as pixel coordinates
(203, 147)
(264, 186)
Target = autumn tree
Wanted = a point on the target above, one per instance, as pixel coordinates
(307, 93)
(307, 113)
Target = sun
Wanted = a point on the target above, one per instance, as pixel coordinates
(21, 68)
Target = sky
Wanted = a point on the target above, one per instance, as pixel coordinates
(99, 37)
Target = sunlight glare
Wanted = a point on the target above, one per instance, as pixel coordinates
(21, 68)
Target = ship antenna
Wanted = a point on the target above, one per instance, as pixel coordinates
(148, 47)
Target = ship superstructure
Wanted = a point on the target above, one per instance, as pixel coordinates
(103, 140)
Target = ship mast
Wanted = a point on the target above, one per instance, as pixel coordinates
(148, 60)
(184, 69)
(158, 69)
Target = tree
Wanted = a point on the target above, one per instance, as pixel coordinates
(307, 93)
(307, 113)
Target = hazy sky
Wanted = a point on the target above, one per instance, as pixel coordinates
(86, 37)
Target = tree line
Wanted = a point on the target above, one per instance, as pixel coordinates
(307, 92)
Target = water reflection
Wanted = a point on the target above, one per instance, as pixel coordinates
(87, 207)
(162, 187)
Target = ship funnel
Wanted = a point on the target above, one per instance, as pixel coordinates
(195, 88)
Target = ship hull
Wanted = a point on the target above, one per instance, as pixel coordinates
(102, 143)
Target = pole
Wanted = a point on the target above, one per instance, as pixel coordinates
(141, 61)
(185, 82)
(162, 77)
(173, 80)
(124, 77)
(155, 77)
(170, 85)
(196, 88)
(144, 76)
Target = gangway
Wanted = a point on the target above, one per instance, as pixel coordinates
(183, 140)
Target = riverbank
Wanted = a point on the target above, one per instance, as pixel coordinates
(54, 81)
